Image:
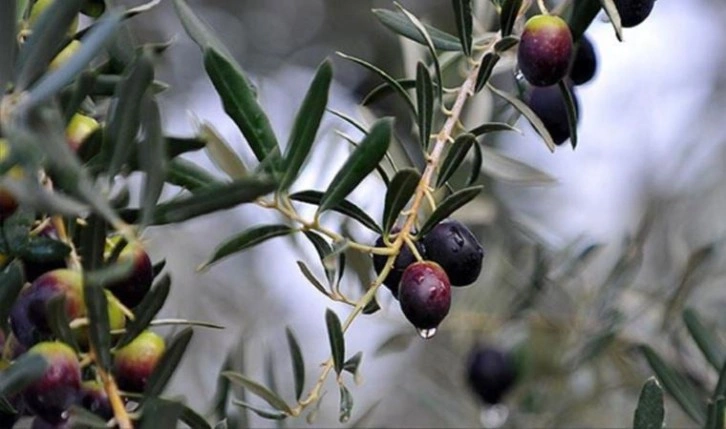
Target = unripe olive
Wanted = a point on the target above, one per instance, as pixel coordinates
(79, 129)
(545, 50)
(134, 362)
(64, 55)
(133, 288)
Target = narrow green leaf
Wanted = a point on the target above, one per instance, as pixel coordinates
(452, 203)
(430, 44)
(344, 207)
(352, 364)
(307, 122)
(44, 249)
(270, 397)
(11, 282)
(125, 118)
(160, 413)
(152, 158)
(346, 404)
(612, 12)
(372, 307)
(476, 164)
(716, 413)
(58, 321)
(167, 365)
(8, 46)
(240, 103)
(711, 346)
(21, 373)
(94, 297)
(265, 414)
(463, 15)
(485, 70)
(93, 242)
(457, 154)
(379, 168)
(571, 106)
(337, 341)
(223, 156)
(212, 198)
(193, 419)
(80, 417)
(720, 389)
(529, 114)
(49, 34)
(504, 168)
(384, 89)
(398, 23)
(248, 238)
(189, 175)
(298, 363)
(198, 30)
(324, 250)
(650, 413)
(176, 146)
(425, 100)
(508, 16)
(677, 385)
(491, 127)
(146, 310)
(505, 43)
(311, 278)
(350, 120)
(385, 76)
(583, 13)
(81, 89)
(91, 44)
(359, 165)
(402, 187)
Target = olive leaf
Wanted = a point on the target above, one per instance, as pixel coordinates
(463, 16)
(337, 341)
(402, 187)
(398, 23)
(359, 164)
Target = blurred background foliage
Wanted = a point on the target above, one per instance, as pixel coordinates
(574, 306)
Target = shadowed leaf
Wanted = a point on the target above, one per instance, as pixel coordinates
(337, 341)
(402, 187)
(359, 164)
(298, 363)
(425, 100)
(168, 363)
(463, 17)
(457, 154)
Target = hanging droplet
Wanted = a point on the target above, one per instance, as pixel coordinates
(427, 333)
(494, 416)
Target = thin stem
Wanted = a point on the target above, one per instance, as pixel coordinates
(422, 193)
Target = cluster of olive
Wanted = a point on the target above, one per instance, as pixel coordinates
(547, 56)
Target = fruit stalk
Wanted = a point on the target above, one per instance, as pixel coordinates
(114, 397)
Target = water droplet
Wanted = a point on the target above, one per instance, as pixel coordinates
(427, 333)
(494, 416)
